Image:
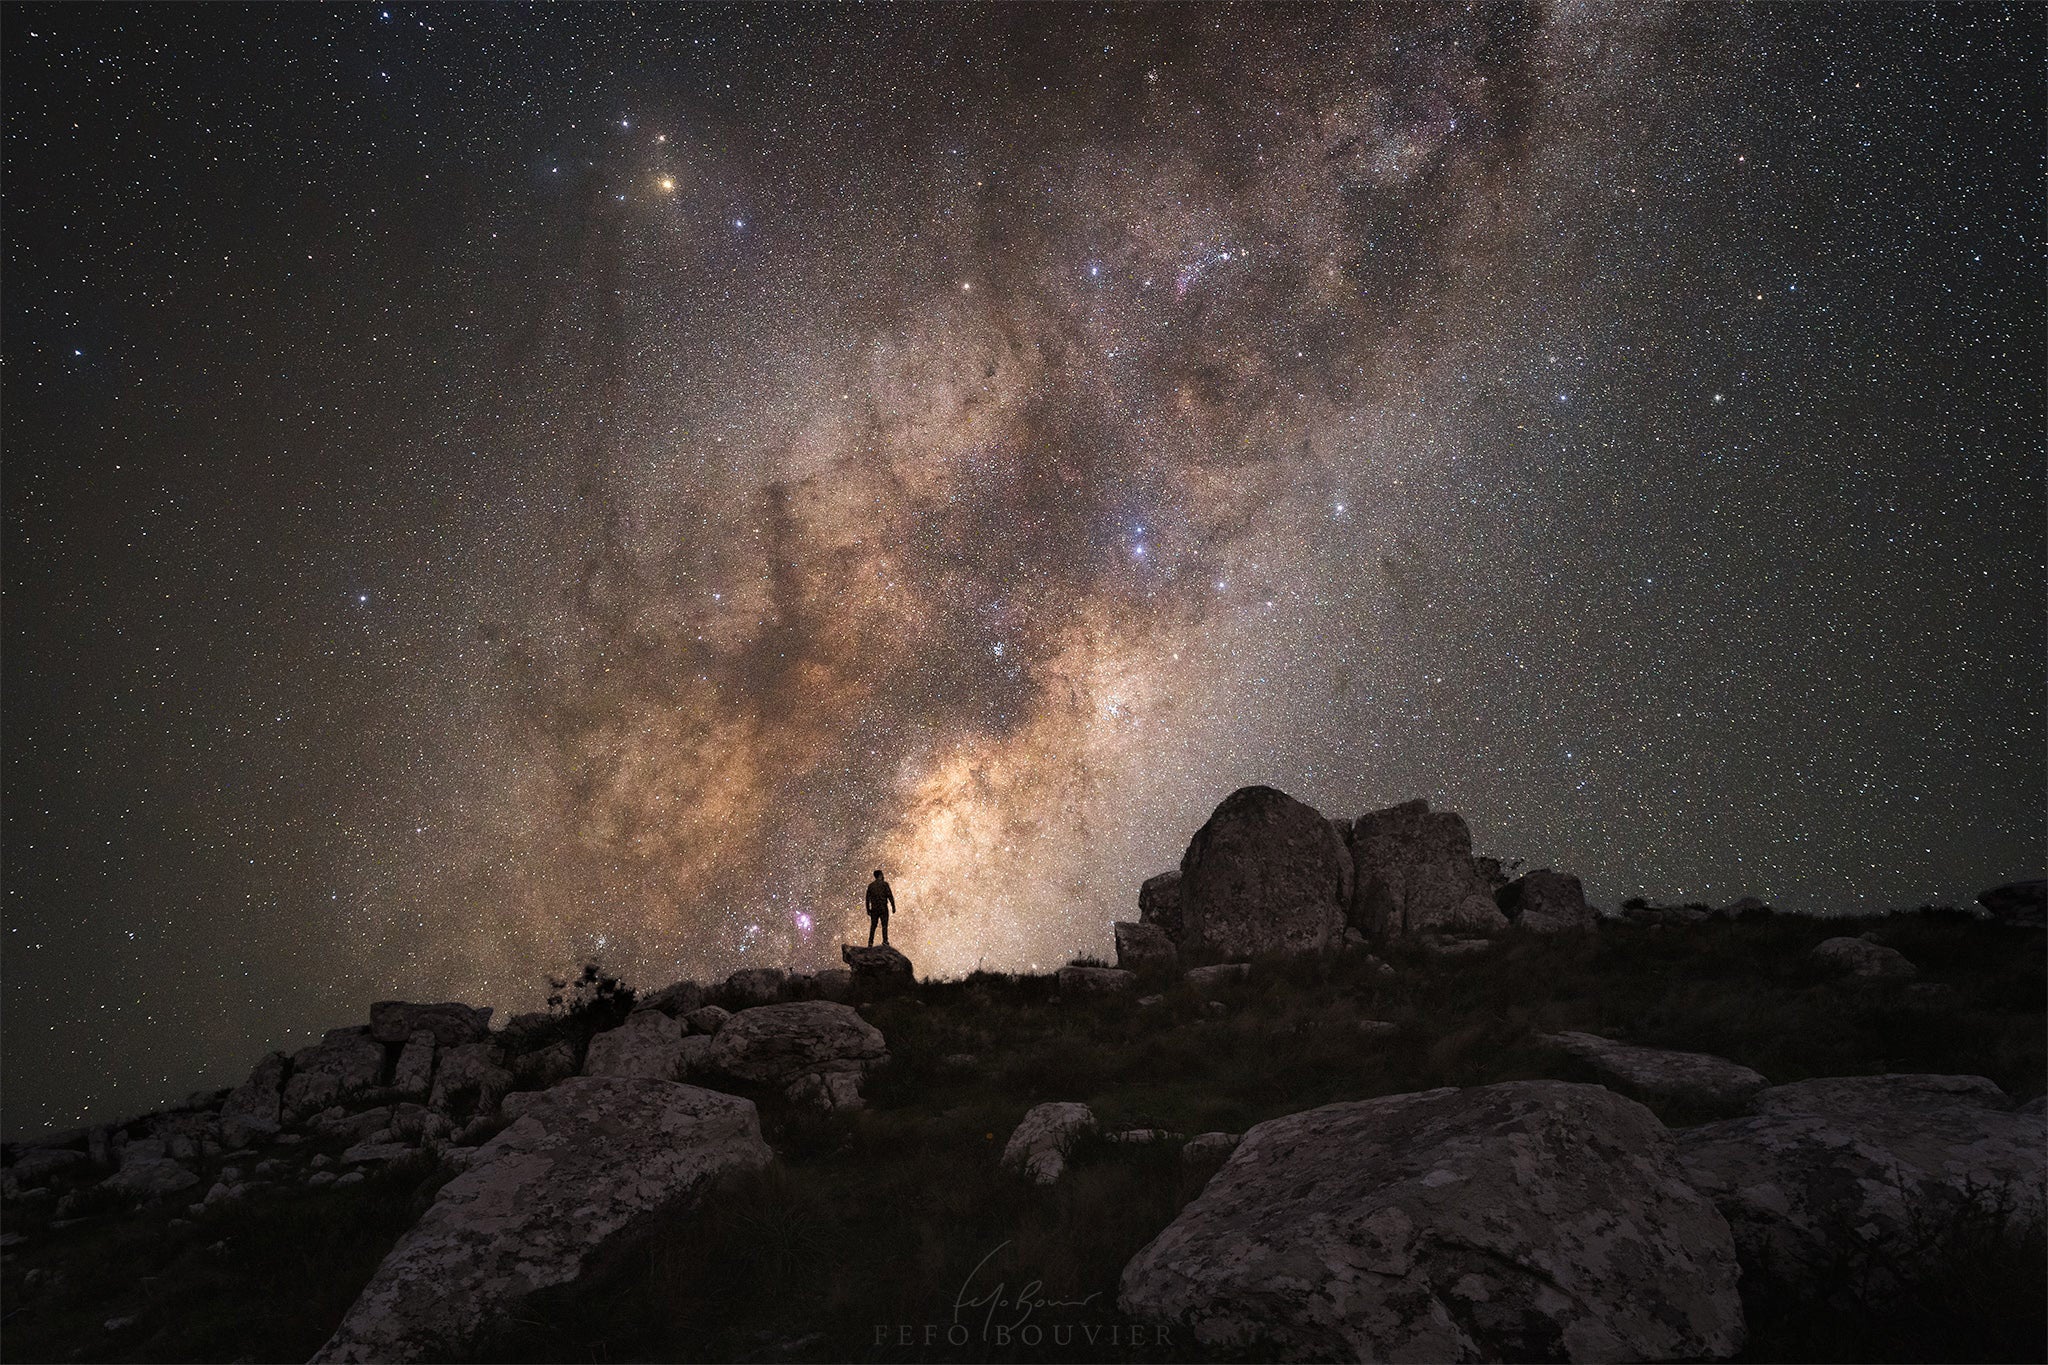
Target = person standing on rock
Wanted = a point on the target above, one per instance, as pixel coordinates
(881, 900)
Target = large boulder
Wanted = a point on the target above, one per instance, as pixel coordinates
(1159, 903)
(1414, 873)
(1038, 1149)
(754, 986)
(1857, 1169)
(1861, 958)
(1546, 901)
(780, 1045)
(649, 1043)
(255, 1108)
(1144, 947)
(1535, 1220)
(1265, 874)
(345, 1060)
(582, 1170)
(877, 969)
(451, 1022)
(1695, 1080)
(2023, 904)
(413, 1074)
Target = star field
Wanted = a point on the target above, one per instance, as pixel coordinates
(488, 486)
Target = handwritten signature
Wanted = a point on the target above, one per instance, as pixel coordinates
(1026, 1301)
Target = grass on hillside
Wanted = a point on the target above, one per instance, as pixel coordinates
(896, 1220)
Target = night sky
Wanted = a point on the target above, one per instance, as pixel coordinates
(487, 486)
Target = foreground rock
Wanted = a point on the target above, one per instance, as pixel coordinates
(799, 1046)
(1857, 1171)
(1414, 873)
(583, 1167)
(1038, 1149)
(1546, 901)
(649, 1043)
(1159, 903)
(1858, 957)
(1535, 1220)
(1266, 874)
(2021, 904)
(876, 970)
(1697, 1080)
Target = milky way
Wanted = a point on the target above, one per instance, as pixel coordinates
(616, 480)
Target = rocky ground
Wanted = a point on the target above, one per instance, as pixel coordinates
(1324, 1108)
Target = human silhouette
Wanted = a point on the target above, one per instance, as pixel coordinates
(881, 900)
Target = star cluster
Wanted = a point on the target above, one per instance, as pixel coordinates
(486, 487)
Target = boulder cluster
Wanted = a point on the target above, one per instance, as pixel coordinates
(1270, 874)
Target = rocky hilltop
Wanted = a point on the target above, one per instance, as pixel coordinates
(1468, 1133)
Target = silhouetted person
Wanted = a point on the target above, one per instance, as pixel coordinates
(881, 900)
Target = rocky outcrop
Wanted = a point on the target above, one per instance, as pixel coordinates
(1865, 1171)
(836, 983)
(707, 1019)
(1038, 1149)
(1546, 901)
(1860, 958)
(1534, 1220)
(1414, 873)
(1696, 1080)
(345, 1060)
(1144, 947)
(782, 1045)
(678, 999)
(541, 1068)
(1095, 981)
(255, 1108)
(413, 1075)
(452, 1023)
(876, 970)
(148, 1171)
(1159, 904)
(1265, 874)
(2021, 904)
(753, 986)
(582, 1169)
(469, 1080)
(648, 1044)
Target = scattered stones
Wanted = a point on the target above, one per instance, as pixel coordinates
(1861, 1168)
(828, 1091)
(352, 1178)
(376, 1153)
(649, 1043)
(583, 1169)
(1147, 1001)
(1414, 872)
(1546, 901)
(320, 1179)
(876, 970)
(148, 1171)
(1697, 1080)
(707, 1019)
(1534, 1220)
(1854, 957)
(2021, 904)
(1144, 947)
(1140, 1137)
(1377, 1028)
(1038, 1149)
(1096, 981)
(1265, 874)
(452, 1023)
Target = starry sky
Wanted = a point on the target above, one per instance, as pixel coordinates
(487, 486)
